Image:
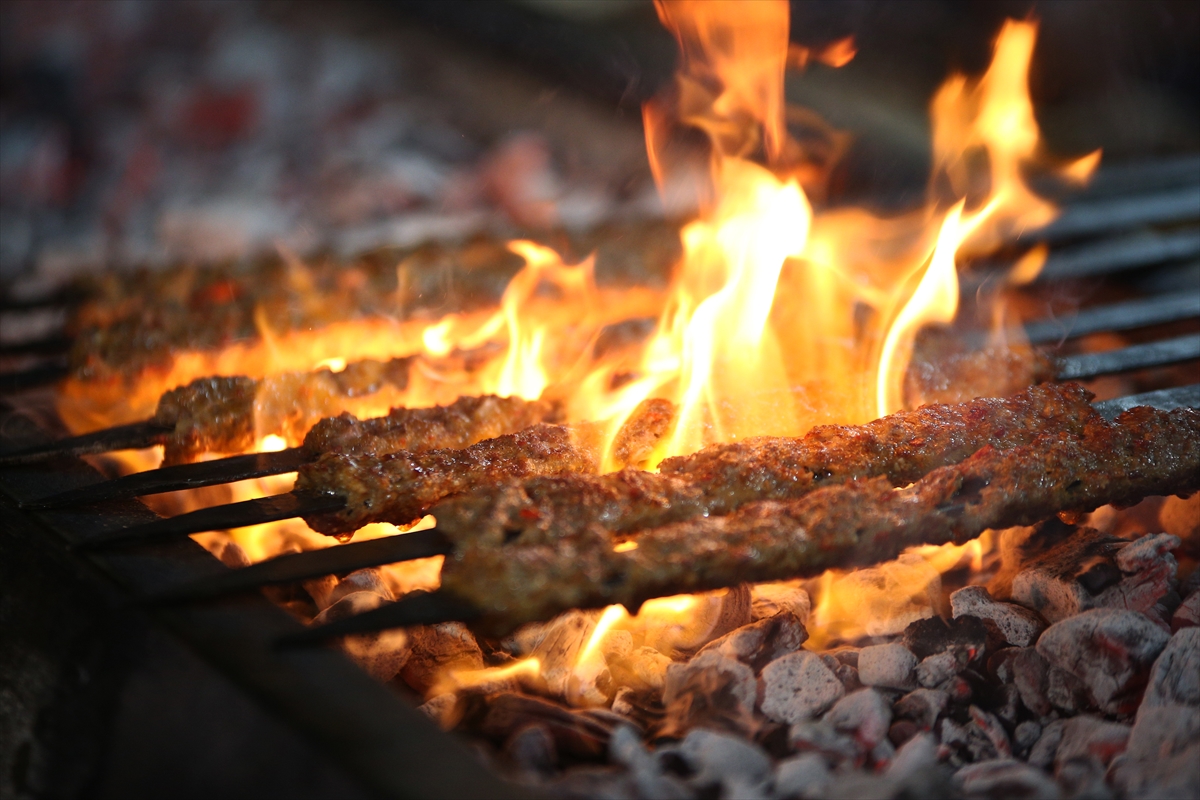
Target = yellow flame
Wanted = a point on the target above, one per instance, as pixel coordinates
(466, 679)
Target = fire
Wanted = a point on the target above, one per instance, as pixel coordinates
(780, 315)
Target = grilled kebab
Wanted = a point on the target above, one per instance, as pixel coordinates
(535, 573)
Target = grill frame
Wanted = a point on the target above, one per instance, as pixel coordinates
(363, 727)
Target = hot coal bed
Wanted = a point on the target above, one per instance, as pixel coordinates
(944, 652)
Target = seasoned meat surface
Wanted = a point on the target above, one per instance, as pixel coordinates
(400, 486)
(525, 577)
(717, 480)
(208, 415)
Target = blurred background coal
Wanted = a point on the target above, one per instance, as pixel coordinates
(152, 133)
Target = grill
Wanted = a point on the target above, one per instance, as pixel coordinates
(175, 652)
(373, 738)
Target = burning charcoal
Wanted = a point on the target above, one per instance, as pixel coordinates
(1006, 704)
(1007, 623)
(643, 668)
(711, 689)
(1087, 736)
(234, 556)
(1082, 777)
(914, 769)
(1066, 692)
(714, 615)
(1046, 748)
(639, 708)
(558, 653)
(761, 642)
(1096, 571)
(938, 668)
(626, 748)
(585, 781)
(973, 742)
(383, 654)
(1031, 677)
(848, 675)
(1108, 649)
(804, 776)
(1181, 518)
(320, 589)
(821, 737)
(798, 687)
(1026, 736)
(1175, 677)
(1188, 613)
(1165, 776)
(769, 599)
(1005, 778)
(997, 737)
(363, 580)
(532, 749)
(887, 666)
(866, 715)
(445, 710)
(735, 765)
(922, 706)
(883, 600)
(901, 731)
(1000, 664)
(1161, 731)
(437, 649)
(958, 689)
(935, 635)
(574, 734)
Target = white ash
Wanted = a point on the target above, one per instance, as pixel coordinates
(739, 768)
(769, 599)
(1008, 622)
(804, 776)
(1097, 571)
(799, 687)
(438, 650)
(763, 641)
(864, 715)
(887, 666)
(1006, 778)
(1107, 649)
(938, 668)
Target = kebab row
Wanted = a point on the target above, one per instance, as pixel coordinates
(530, 504)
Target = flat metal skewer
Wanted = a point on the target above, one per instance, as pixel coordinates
(234, 515)
(134, 436)
(313, 564)
(430, 542)
(179, 477)
(417, 608)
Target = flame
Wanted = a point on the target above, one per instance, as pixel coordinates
(780, 315)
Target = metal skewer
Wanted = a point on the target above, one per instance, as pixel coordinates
(430, 542)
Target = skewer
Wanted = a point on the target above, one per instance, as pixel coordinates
(134, 436)
(32, 378)
(179, 477)
(235, 468)
(422, 544)
(314, 563)
(848, 525)
(56, 344)
(417, 608)
(234, 515)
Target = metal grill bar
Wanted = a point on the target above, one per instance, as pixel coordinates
(1115, 255)
(1141, 356)
(1116, 317)
(1163, 399)
(1099, 216)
